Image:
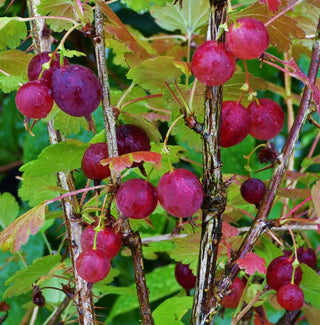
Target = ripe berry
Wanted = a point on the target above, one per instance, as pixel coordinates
(90, 163)
(279, 272)
(131, 138)
(180, 193)
(34, 100)
(184, 276)
(136, 198)
(247, 39)
(76, 90)
(235, 123)
(290, 297)
(253, 190)
(233, 299)
(35, 67)
(93, 265)
(108, 240)
(212, 64)
(307, 256)
(267, 119)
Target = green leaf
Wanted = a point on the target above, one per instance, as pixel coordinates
(310, 285)
(9, 209)
(152, 73)
(12, 32)
(38, 189)
(60, 157)
(15, 62)
(172, 310)
(161, 283)
(138, 5)
(188, 19)
(17, 233)
(21, 282)
(10, 83)
(68, 124)
(267, 250)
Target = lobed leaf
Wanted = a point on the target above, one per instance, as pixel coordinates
(12, 32)
(21, 282)
(17, 233)
(310, 285)
(9, 209)
(252, 263)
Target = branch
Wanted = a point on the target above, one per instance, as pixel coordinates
(83, 298)
(131, 239)
(260, 223)
(205, 302)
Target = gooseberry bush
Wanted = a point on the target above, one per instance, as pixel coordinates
(159, 162)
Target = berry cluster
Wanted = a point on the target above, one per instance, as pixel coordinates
(280, 277)
(93, 263)
(75, 89)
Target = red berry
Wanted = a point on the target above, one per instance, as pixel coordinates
(290, 297)
(35, 67)
(307, 256)
(93, 265)
(131, 138)
(108, 240)
(90, 163)
(136, 198)
(247, 39)
(184, 276)
(279, 272)
(34, 100)
(267, 119)
(180, 193)
(212, 64)
(253, 190)
(235, 123)
(76, 90)
(233, 299)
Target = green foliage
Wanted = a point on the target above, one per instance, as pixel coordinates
(12, 32)
(172, 310)
(9, 209)
(21, 282)
(310, 285)
(142, 5)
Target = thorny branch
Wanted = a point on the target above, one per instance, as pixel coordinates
(130, 238)
(83, 298)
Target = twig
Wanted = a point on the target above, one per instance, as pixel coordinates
(260, 223)
(59, 311)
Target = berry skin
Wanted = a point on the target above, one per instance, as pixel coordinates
(290, 297)
(131, 138)
(180, 193)
(90, 163)
(279, 272)
(247, 39)
(307, 256)
(35, 67)
(253, 190)
(93, 265)
(136, 198)
(108, 240)
(33, 100)
(232, 300)
(212, 64)
(267, 119)
(235, 123)
(76, 90)
(184, 276)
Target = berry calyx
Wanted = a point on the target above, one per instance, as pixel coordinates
(235, 123)
(35, 67)
(136, 198)
(180, 192)
(212, 64)
(290, 297)
(76, 90)
(184, 276)
(90, 163)
(92, 265)
(253, 190)
(279, 272)
(248, 38)
(33, 99)
(232, 300)
(107, 240)
(267, 118)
